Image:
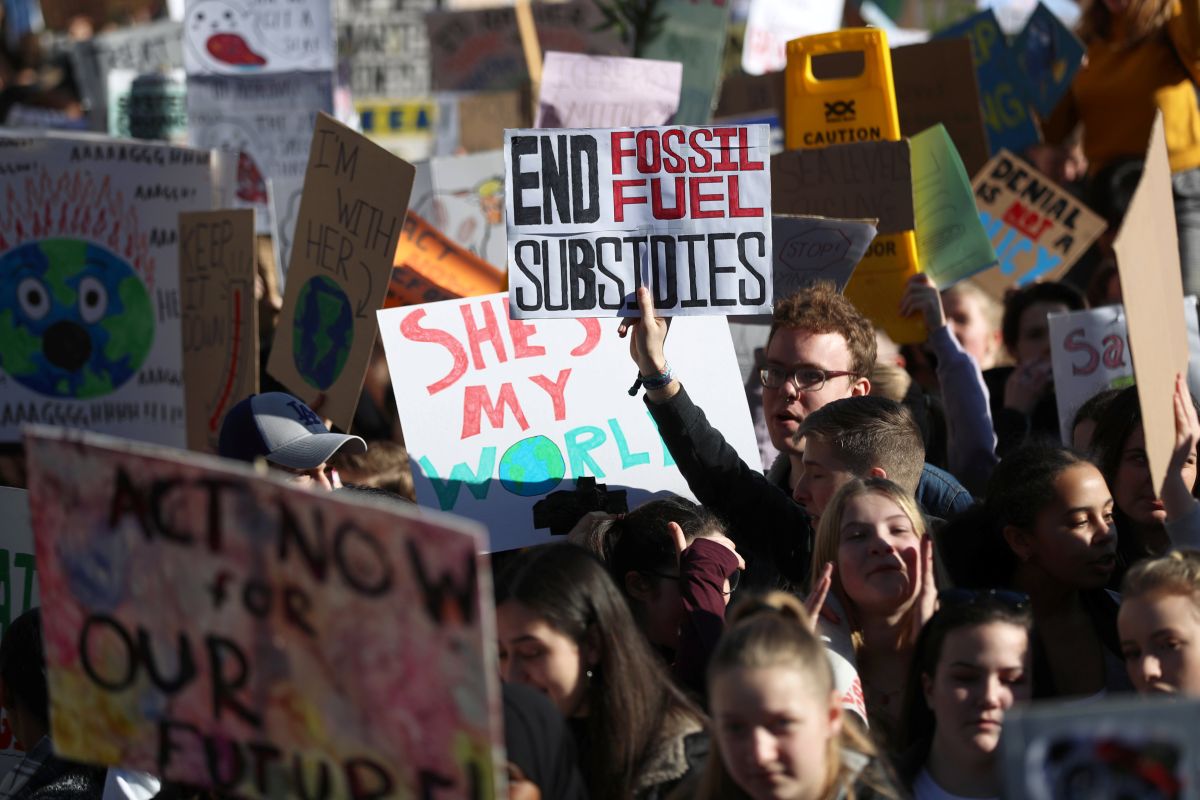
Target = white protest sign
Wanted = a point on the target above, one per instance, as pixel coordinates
(771, 24)
(247, 37)
(811, 249)
(581, 91)
(1089, 351)
(463, 197)
(18, 590)
(595, 213)
(499, 413)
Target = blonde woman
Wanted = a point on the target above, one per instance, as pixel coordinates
(1159, 624)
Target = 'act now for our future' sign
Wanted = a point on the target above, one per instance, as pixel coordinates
(593, 214)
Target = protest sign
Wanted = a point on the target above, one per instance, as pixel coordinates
(251, 37)
(865, 180)
(771, 24)
(385, 46)
(499, 413)
(267, 120)
(1048, 55)
(463, 196)
(1001, 88)
(693, 33)
(483, 116)
(951, 241)
(593, 214)
(935, 83)
(579, 91)
(1090, 353)
(811, 249)
(480, 50)
(220, 319)
(404, 128)
(151, 106)
(932, 15)
(1147, 249)
(318, 645)
(141, 49)
(89, 283)
(19, 591)
(744, 95)
(429, 267)
(351, 213)
(1038, 229)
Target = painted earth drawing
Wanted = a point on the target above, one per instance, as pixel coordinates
(322, 332)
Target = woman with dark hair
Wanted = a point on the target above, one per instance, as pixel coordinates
(677, 569)
(565, 630)
(970, 665)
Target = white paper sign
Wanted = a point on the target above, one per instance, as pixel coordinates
(811, 249)
(90, 332)
(771, 24)
(594, 213)
(251, 37)
(497, 413)
(463, 197)
(580, 91)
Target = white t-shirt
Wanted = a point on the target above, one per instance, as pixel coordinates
(924, 788)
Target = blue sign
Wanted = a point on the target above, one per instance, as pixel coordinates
(1048, 55)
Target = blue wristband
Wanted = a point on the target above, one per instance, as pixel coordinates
(660, 381)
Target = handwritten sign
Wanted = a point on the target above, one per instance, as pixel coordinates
(141, 49)
(232, 631)
(951, 241)
(581, 91)
(1048, 55)
(220, 319)
(500, 413)
(463, 196)
(246, 37)
(385, 46)
(89, 283)
(771, 24)
(351, 213)
(593, 214)
(430, 267)
(864, 180)
(811, 249)
(1038, 229)
(18, 591)
(151, 106)
(693, 33)
(1001, 88)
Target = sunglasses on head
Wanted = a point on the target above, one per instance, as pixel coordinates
(973, 597)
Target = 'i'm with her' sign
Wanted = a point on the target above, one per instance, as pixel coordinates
(595, 213)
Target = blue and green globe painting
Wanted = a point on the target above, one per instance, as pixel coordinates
(532, 467)
(322, 331)
(75, 319)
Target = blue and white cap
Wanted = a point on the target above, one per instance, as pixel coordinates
(282, 429)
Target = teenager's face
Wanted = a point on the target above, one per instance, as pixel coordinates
(1033, 332)
(1160, 639)
(785, 407)
(662, 607)
(1133, 487)
(1074, 540)
(823, 475)
(981, 672)
(533, 653)
(970, 325)
(878, 554)
(773, 731)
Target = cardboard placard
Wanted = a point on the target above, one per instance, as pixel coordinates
(952, 243)
(480, 50)
(499, 414)
(463, 196)
(1038, 229)
(1048, 55)
(1147, 249)
(771, 24)
(692, 32)
(1001, 88)
(89, 283)
(385, 46)
(140, 48)
(430, 267)
(220, 319)
(483, 116)
(579, 91)
(254, 37)
(351, 213)
(308, 633)
(811, 249)
(593, 214)
(864, 180)
(935, 83)
(20, 591)
(745, 95)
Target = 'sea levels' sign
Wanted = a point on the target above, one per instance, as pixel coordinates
(593, 214)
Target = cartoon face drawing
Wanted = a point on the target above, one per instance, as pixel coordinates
(233, 138)
(223, 37)
(75, 319)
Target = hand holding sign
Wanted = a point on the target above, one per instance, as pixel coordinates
(1176, 492)
(647, 345)
(922, 296)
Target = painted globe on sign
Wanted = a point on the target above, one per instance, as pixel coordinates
(532, 467)
(75, 319)
(322, 332)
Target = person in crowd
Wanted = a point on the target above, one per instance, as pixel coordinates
(289, 435)
(820, 349)
(677, 569)
(1022, 396)
(1143, 58)
(1149, 521)
(974, 317)
(542, 759)
(40, 775)
(565, 629)
(971, 664)
(1159, 624)
(1046, 530)
(1083, 426)
(777, 721)
(384, 465)
(873, 555)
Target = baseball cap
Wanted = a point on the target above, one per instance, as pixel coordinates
(282, 429)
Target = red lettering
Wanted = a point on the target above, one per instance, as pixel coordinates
(520, 331)
(411, 329)
(744, 152)
(620, 200)
(735, 208)
(490, 332)
(697, 198)
(1076, 343)
(557, 390)
(724, 136)
(591, 336)
(672, 160)
(1114, 351)
(619, 153)
(476, 400)
(656, 200)
(705, 165)
(649, 159)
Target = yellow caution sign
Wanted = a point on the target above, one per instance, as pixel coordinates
(850, 97)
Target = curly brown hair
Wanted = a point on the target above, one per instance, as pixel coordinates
(821, 308)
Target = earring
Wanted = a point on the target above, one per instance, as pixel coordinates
(589, 674)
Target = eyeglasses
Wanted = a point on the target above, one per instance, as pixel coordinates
(805, 379)
(1017, 601)
(734, 579)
